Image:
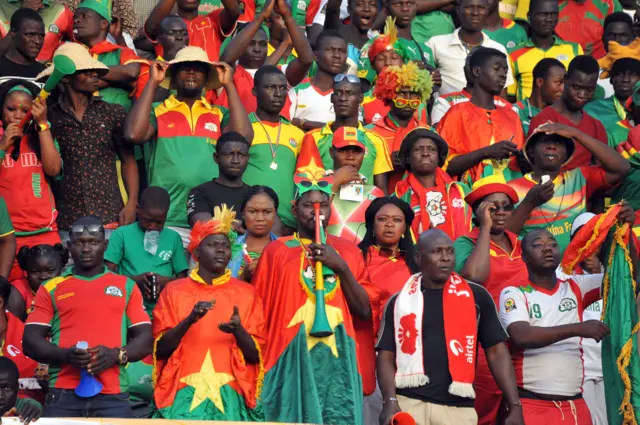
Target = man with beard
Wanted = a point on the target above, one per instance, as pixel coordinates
(326, 387)
(549, 190)
(65, 313)
(182, 150)
(624, 74)
(449, 52)
(579, 85)
(548, 84)
(483, 138)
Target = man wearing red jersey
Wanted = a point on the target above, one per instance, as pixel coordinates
(207, 32)
(65, 310)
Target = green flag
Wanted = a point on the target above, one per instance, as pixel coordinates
(620, 359)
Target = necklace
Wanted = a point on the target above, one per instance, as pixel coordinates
(274, 151)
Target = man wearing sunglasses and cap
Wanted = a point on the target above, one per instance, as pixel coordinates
(552, 198)
(405, 89)
(345, 100)
(184, 128)
(66, 311)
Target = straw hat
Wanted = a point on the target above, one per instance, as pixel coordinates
(80, 57)
(196, 54)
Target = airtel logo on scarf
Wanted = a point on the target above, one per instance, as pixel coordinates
(457, 348)
(454, 280)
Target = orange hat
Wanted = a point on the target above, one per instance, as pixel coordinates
(348, 136)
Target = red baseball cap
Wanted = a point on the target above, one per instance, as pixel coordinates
(348, 136)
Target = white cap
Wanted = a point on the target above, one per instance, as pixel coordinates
(580, 221)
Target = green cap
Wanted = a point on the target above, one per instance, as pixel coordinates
(101, 7)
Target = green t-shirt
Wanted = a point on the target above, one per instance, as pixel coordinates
(526, 112)
(126, 250)
(463, 247)
(510, 35)
(428, 25)
(182, 151)
(286, 148)
(608, 111)
(6, 227)
(140, 381)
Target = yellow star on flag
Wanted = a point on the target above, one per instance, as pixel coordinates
(312, 170)
(307, 313)
(207, 384)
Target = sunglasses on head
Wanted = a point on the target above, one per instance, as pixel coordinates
(401, 102)
(92, 229)
(350, 78)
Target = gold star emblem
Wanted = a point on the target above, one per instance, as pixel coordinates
(306, 314)
(313, 171)
(207, 384)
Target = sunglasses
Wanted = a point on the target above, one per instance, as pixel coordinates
(350, 78)
(92, 229)
(402, 102)
(320, 183)
(505, 208)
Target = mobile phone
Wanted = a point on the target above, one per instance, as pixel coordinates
(154, 288)
(544, 179)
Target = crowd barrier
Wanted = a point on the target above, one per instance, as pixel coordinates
(114, 421)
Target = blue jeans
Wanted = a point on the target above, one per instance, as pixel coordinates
(66, 404)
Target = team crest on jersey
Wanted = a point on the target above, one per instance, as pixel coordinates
(165, 255)
(54, 28)
(302, 6)
(376, 117)
(114, 291)
(293, 143)
(509, 305)
(211, 126)
(511, 44)
(562, 58)
(567, 304)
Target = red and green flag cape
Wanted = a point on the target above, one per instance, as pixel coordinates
(307, 379)
(620, 359)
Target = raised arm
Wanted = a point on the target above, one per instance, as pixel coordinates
(297, 69)
(241, 40)
(161, 11)
(121, 76)
(238, 117)
(615, 166)
(137, 125)
(229, 16)
(426, 6)
(49, 155)
(477, 267)
(332, 15)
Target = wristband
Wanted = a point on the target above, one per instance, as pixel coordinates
(390, 399)
(510, 406)
(43, 127)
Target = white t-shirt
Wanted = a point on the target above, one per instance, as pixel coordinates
(309, 103)
(590, 348)
(449, 55)
(321, 14)
(558, 368)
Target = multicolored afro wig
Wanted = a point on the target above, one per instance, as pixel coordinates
(393, 78)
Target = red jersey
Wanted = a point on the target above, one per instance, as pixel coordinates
(588, 125)
(204, 32)
(12, 348)
(71, 306)
(24, 186)
(22, 286)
